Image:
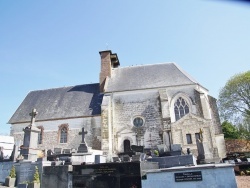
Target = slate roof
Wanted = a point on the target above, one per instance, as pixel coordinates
(147, 76)
(65, 102)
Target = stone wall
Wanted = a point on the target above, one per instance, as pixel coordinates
(51, 137)
(191, 124)
(198, 103)
(215, 115)
(143, 104)
(237, 146)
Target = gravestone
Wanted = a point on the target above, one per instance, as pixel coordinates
(137, 148)
(66, 151)
(116, 159)
(136, 158)
(29, 147)
(175, 147)
(83, 148)
(57, 151)
(125, 158)
(108, 175)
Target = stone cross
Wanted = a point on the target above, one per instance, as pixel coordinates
(33, 116)
(83, 135)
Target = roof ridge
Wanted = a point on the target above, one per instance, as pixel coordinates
(144, 65)
(62, 87)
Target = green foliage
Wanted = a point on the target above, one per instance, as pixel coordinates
(234, 99)
(12, 172)
(230, 132)
(36, 176)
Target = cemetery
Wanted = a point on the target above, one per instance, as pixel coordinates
(138, 167)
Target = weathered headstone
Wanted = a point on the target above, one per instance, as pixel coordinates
(175, 147)
(57, 151)
(137, 148)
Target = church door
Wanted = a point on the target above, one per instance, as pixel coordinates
(126, 144)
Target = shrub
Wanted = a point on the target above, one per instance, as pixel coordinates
(36, 176)
(13, 172)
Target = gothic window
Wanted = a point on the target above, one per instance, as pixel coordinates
(189, 138)
(180, 108)
(138, 122)
(40, 135)
(63, 133)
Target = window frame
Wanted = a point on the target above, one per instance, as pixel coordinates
(40, 135)
(189, 138)
(60, 129)
(172, 104)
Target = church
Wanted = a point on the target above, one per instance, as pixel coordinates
(145, 105)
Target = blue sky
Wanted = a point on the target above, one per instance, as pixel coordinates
(50, 44)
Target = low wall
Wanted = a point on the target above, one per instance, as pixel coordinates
(205, 176)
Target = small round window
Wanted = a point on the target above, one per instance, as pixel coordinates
(138, 122)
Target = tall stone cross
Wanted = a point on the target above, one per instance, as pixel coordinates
(33, 116)
(83, 134)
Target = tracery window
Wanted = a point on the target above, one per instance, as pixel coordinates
(63, 133)
(181, 108)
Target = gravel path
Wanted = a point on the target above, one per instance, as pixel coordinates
(243, 181)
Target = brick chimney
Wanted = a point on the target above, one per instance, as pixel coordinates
(108, 61)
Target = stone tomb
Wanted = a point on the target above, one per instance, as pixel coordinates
(172, 161)
(118, 175)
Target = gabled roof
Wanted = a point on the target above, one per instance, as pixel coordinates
(147, 76)
(58, 103)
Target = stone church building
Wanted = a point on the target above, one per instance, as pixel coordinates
(146, 105)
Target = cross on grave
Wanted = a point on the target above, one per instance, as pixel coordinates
(83, 134)
(83, 148)
(33, 116)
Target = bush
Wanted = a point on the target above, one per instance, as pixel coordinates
(36, 176)
(13, 172)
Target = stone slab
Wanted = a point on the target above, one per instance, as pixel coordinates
(122, 175)
(172, 161)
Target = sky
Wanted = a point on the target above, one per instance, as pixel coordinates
(50, 44)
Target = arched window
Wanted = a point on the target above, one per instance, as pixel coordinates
(180, 108)
(63, 133)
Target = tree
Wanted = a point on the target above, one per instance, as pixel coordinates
(234, 99)
(230, 131)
